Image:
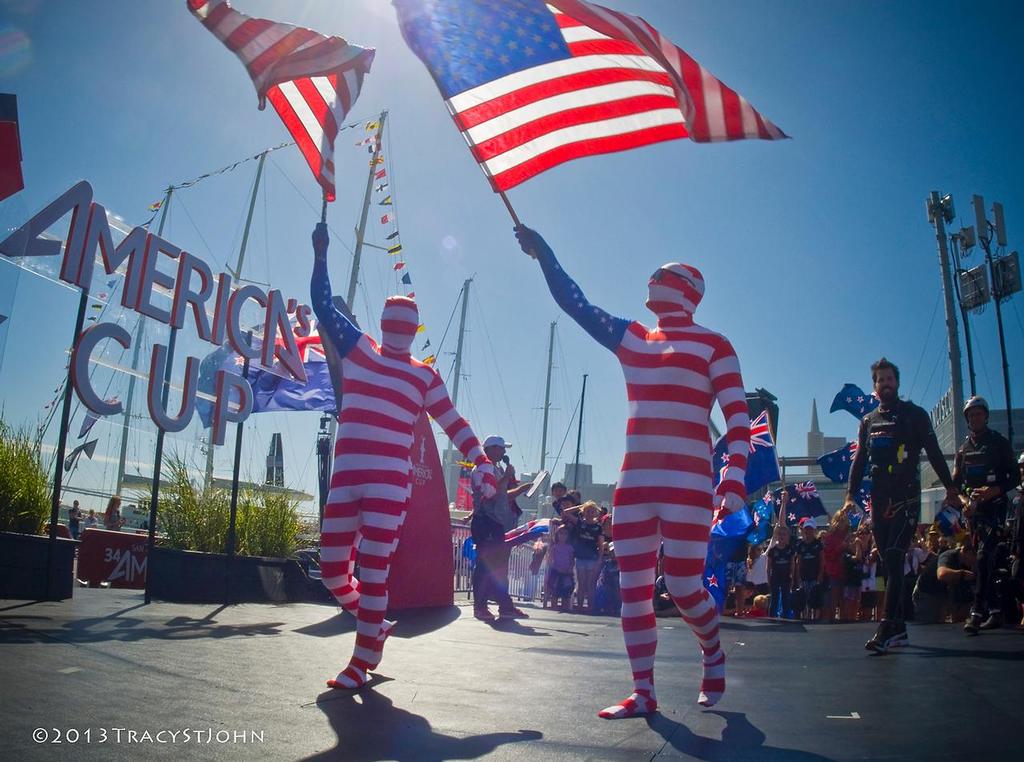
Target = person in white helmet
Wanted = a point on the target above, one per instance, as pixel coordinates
(984, 470)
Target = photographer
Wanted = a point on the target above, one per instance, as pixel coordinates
(492, 517)
(944, 585)
(984, 469)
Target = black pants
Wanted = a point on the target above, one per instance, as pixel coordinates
(986, 599)
(779, 602)
(490, 573)
(894, 522)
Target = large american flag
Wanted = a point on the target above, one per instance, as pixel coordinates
(310, 79)
(533, 84)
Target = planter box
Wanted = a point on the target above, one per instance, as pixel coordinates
(185, 576)
(23, 560)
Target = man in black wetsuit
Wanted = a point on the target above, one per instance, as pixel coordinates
(985, 470)
(891, 438)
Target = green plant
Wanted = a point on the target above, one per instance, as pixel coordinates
(24, 489)
(195, 518)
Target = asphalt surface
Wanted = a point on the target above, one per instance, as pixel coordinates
(111, 678)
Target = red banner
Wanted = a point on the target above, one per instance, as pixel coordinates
(115, 557)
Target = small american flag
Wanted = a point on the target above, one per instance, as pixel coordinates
(532, 85)
(311, 80)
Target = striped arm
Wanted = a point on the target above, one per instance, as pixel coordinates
(341, 331)
(439, 406)
(606, 329)
(727, 383)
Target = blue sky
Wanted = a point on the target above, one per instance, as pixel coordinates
(816, 251)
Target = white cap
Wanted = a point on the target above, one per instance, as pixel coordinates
(495, 441)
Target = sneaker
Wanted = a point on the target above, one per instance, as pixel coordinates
(899, 638)
(513, 614)
(484, 615)
(883, 639)
(994, 621)
(973, 624)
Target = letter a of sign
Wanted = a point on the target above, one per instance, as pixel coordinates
(25, 241)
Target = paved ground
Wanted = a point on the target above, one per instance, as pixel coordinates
(454, 688)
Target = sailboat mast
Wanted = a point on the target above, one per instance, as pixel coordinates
(136, 347)
(453, 478)
(361, 231)
(547, 401)
(579, 437)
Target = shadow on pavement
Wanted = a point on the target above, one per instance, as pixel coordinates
(411, 623)
(370, 727)
(740, 741)
(932, 652)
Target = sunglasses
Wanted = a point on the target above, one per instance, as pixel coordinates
(661, 274)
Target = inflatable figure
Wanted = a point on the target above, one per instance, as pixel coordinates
(674, 373)
(385, 391)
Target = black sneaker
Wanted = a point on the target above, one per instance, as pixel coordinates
(994, 621)
(898, 638)
(973, 624)
(881, 642)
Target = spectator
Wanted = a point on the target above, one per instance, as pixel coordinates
(736, 579)
(559, 586)
(917, 554)
(757, 570)
(75, 520)
(853, 576)
(558, 492)
(871, 583)
(945, 586)
(112, 516)
(810, 569)
(781, 558)
(91, 522)
(588, 548)
(607, 596)
(833, 546)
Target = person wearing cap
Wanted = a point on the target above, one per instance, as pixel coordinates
(386, 391)
(985, 471)
(810, 569)
(493, 515)
(675, 372)
(890, 439)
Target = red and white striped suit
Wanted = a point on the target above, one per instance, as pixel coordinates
(385, 391)
(674, 372)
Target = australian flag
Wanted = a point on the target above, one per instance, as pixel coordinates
(761, 520)
(763, 463)
(273, 393)
(836, 464)
(853, 400)
(727, 536)
(799, 501)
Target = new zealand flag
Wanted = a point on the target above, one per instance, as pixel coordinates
(727, 536)
(761, 525)
(800, 501)
(763, 463)
(836, 464)
(853, 400)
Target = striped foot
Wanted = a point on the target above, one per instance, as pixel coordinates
(637, 704)
(351, 678)
(385, 630)
(712, 686)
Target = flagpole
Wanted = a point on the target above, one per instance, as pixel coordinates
(62, 443)
(511, 211)
(361, 230)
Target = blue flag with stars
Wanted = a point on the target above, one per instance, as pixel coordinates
(727, 537)
(763, 462)
(800, 501)
(836, 464)
(761, 520)
(853, 400)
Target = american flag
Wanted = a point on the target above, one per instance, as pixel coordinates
(311, 80)
(532, 85)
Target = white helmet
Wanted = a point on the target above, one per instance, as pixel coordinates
(975, 401)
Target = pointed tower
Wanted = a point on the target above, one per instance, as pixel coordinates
(815, 439)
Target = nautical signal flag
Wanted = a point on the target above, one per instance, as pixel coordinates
(370, 126)
(376, 161)
(429, 360)
(311, 80)
(395, 249)
(380, 174)
(425, 345)
(381, 187)
(398, 266)
(385, 219)
(392, 236)
(411, 295)
(386, 201)
(584, 80)
(155, 206)
(407, 279)
(420, 328)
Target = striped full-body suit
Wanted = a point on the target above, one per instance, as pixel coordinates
(384, 392)
(674, 374)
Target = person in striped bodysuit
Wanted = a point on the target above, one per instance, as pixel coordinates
(674, 374)
(385, 391)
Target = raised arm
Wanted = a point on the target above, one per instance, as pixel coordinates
(606, 329)
(727, 383)
(342, 332)
(439, 406)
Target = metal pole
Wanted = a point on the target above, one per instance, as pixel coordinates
(1002, 344)
(233, 517)
(547, 401)
(361, 230)
(62, 442)
(452, 483)
(579, 436)
(136, 348)
(963, 314)
(955, 371)
(248, 218)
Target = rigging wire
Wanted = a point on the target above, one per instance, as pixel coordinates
(924, 346)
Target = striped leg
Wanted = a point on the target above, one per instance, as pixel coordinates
(686, 531)
(635, 529)
(338, 543)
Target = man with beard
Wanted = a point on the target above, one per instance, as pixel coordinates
(891, 438)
